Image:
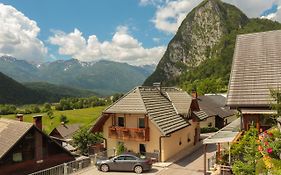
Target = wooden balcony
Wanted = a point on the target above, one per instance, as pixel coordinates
(131, 134)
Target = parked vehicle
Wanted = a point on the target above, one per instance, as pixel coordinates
(124, 162)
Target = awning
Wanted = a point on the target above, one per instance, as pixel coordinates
(258, 111)
(227, 134)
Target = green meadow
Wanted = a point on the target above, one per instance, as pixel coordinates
(85, 116)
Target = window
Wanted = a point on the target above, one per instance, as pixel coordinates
(142, 148)
(17, 157)
(141, 123)
(121, 121)
(188, 137)
(120, 158)
(130, 158)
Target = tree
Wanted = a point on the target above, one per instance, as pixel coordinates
(116, 96)
(120, 148)
(83, 138)
(50, 114)
(64, 119)
(47, 107)
(245, 153)
(276, 95)
(34, 109)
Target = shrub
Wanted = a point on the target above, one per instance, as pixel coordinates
(120, 148)
(209, 129)
(83, 139)
(63, 119)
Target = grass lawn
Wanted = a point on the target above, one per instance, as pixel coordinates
(84, 116)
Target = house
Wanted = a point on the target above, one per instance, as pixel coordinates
(217, 113)
(65, 131)
(256, 70)
(155, 119)
(24, 148)
(63, 135)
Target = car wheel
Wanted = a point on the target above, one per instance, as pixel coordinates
(104, 168)
(138, 169)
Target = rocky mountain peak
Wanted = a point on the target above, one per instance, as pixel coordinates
(196, 38)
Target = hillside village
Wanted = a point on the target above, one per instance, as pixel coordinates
(211, 106)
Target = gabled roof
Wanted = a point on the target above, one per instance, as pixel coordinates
(214, 105)
(161, 111)
(10, 132)
(163, 107)
(67, 131)
(180, 100)
(130, 103)
(256, 69)
(201, 115)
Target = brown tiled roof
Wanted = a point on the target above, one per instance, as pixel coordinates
(214, 105)
(130, 103)
(10, 132)
(161, 110)
(181, 100)
(255, 70)
(200, 114)
(67, 131)
(162, 107)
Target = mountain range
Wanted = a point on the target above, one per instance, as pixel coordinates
(200, 54)
(13, 92)
(103, 77)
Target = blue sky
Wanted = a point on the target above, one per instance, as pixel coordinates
(132, 31)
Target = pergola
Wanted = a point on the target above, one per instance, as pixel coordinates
(229, 134)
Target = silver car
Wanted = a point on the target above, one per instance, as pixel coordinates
(124, 162)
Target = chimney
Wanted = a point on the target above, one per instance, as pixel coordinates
(37, 121)
(194, 94)
(157, 85)
(19, 117)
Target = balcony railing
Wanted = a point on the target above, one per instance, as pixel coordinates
(132, 134)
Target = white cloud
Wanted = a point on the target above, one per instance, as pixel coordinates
(275, 16)
(18, 36)
(252, 8)
(170, 14)
(122, 48)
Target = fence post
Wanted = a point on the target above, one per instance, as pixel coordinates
(64, 169)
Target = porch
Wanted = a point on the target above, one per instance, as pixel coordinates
(129, 134)
(221, 161)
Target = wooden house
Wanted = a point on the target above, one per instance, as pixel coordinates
(217, 114)
(24, 148)
(256, 70)
(151, 120)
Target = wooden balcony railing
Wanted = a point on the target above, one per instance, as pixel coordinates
(132, 134)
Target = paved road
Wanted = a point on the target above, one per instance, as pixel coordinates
(93, 171)
(190, 165)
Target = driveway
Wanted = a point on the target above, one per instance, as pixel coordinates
(93, 171)
(190, 165)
